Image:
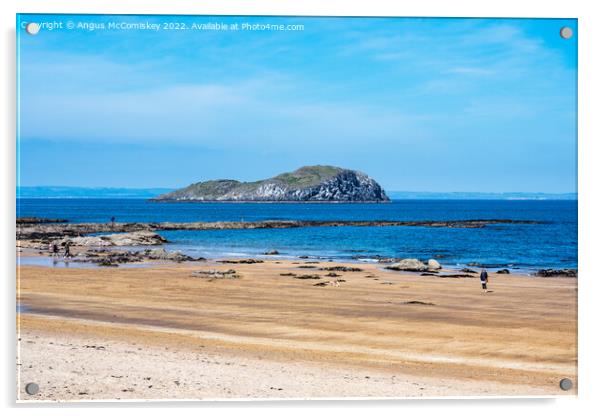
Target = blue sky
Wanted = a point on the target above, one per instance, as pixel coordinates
(440, 105)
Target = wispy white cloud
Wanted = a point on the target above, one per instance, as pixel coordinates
(468, 70)
(250, 112)
(466, 48)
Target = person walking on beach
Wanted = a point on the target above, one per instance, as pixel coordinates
(67, 250)
(484, 280)
(54, 250)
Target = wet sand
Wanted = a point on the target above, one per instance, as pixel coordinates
(111, 333)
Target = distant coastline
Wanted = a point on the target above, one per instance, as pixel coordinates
(145, 193)
(88, 192)
(402, 195)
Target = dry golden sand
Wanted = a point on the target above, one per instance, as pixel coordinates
(112, 333)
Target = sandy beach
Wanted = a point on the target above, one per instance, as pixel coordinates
(161, 332)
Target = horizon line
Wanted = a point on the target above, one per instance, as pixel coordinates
(59, 188)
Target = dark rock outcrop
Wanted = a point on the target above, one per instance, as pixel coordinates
(556, 273)
(240, 261)
(417, 302)
(447, 275)
(44, 233)
(113, 257)
(37, 220)
(308, 276)
(216, 274)
(341, 269)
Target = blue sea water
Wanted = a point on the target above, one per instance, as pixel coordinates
(551, 244)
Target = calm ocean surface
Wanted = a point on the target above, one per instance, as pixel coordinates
(552, 244)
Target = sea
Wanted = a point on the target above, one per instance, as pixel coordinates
(551, 243)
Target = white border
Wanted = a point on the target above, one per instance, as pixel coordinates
(590, 133)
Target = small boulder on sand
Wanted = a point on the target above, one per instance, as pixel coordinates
(433, 265)
(216, 274)
(162, 254)
(409, 265)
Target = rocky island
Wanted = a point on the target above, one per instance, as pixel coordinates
(306, 184)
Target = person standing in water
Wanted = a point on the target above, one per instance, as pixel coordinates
(484, 280)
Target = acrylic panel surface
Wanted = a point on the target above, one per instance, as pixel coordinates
(214, 207)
